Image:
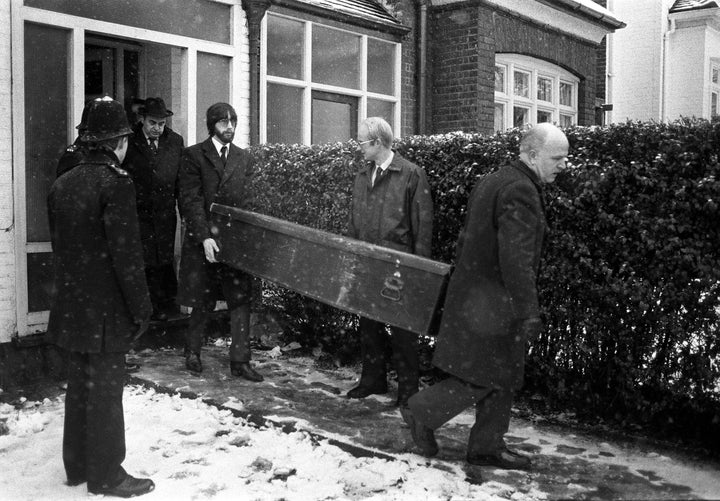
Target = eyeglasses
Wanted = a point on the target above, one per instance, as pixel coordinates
(366, 142)
(225, 122)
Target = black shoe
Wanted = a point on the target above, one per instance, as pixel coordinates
(244, 369)
(128, 488)
(131, 367)
(74, 482)
(362, 391)
(505, 458)
(192, 362)
(423, 436)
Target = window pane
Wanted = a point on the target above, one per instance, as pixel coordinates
(566, 94)
(499, 116)
(522, 84)
(521, 116)
(544, 89)
(714, 104)
(381, 67)
(46, 110)
(285, 47)
(500, 78)
(335, 57)
(384, 109)
(544, 116)
(213, 86)
(566, 120)
(284, 114)
(334, 117)
(715, 75)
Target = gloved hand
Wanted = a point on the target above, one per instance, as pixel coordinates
(529, 328)
(142, 327)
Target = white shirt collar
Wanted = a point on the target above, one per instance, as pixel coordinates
(219, 144)
(387, 162)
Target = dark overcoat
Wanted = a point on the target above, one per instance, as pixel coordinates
(100, 291)
(203, 180)
(494, 281)
(156, 186)
(396, 211)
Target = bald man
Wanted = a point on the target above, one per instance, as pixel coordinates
(491, 309)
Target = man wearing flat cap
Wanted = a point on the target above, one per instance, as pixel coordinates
(153, 161)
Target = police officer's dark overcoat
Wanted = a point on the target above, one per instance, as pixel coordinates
(100, 291)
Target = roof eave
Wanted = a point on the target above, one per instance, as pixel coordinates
(579, 9)
(385, 27)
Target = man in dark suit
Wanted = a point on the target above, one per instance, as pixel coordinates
(214, 171)
(491, 309)
(100, 302)
(153, 161)
(392, 207)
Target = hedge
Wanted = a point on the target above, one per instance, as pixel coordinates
(630, 273)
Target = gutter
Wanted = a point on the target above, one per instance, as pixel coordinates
(385, 27)
(578, 8)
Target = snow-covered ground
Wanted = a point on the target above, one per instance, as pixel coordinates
(195, 451)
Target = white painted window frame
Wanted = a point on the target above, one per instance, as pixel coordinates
(714, 88)
(536, 68)
(308, 86)
(33, 322)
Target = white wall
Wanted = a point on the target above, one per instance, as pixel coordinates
(7, 231)
(635, 59)
(686, 86)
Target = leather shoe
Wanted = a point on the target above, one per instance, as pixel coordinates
(74, 482)
(128, 488)
(362, 391)
(192, 362)
(423, 436)
(244, 369)
(505, 458)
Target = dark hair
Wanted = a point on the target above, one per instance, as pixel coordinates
(217, 112)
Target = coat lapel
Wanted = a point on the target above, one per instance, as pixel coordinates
(212, 157)
(233, 163)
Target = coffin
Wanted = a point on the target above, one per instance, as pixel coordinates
(383, 284)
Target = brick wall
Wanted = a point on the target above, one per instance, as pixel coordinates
(453, 65)
(7, 232)
(464, 41)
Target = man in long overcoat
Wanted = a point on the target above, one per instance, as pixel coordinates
(491, 308)
(391, 207)
(153, 161)
(100, 302)
(214, 170)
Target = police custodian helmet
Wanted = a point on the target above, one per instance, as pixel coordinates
(106, 119)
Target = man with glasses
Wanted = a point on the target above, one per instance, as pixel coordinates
(391, 207)
(214, 170)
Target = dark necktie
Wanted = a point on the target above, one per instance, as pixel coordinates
(223, 155)
(153, 146)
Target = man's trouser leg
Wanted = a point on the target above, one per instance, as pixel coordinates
(75, 428)
(162, 285)
(406, 361)
(195, 332)
(439, 403)
(492, 419)
(237, 289)
(105, 420)
(373, 345)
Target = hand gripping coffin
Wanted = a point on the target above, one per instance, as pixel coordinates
(400, 289)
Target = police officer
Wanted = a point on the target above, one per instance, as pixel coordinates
(75, 152)
(101, 301)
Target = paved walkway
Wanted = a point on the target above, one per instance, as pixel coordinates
(297, 393)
